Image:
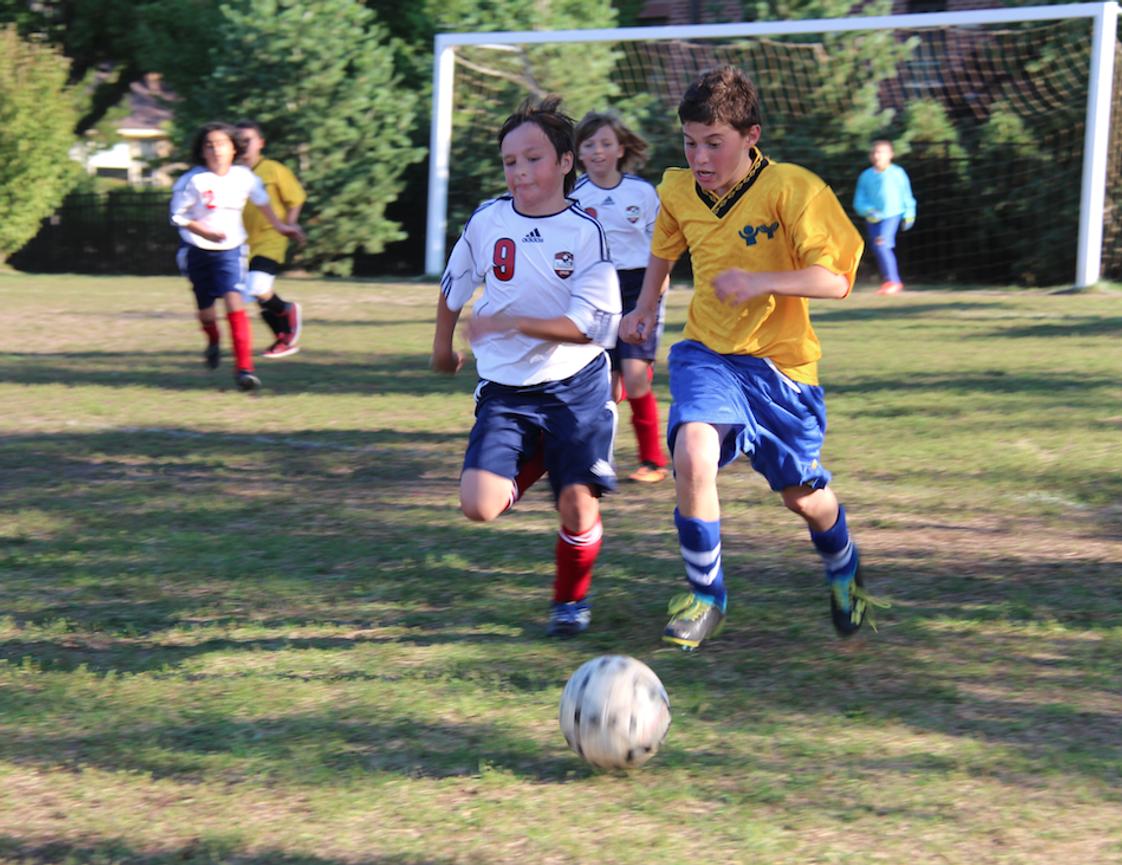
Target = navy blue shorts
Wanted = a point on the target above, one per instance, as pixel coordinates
(573, 419)
(778, 422)
(214, 273)
(630, 285)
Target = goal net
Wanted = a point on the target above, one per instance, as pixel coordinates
(1009, 122)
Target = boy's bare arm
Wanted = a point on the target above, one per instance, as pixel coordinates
(559, 329)
(736, 286)
(444, 358)
(293, 231)
(199, 228)
(638, 324)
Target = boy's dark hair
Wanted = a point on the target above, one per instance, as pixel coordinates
(634, 146)
(721, 95)
(197, 157)
(558, 128)
(250, 124)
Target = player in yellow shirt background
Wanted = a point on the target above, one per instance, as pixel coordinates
(763, 237)
(267, 247)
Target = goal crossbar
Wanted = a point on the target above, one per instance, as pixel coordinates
(1104, 16)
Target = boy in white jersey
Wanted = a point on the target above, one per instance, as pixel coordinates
(626, 205)
(206, 207)
(550, 307)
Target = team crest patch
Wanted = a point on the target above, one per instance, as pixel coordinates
(633, 214)
(563, 264)
(591, 211)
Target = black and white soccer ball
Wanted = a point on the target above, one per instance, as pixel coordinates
(615, 712)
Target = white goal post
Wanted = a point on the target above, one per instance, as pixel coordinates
(1104, 17)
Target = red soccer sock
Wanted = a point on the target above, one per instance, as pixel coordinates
(530, 471)
(528, 474)
(210, 328)
(644, 417)
(576, 554)
(239, 333)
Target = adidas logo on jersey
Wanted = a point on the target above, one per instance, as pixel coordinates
(534, 236)
(607, 202)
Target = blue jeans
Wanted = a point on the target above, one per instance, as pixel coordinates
(882, 238)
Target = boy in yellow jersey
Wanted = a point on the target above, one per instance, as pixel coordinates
(763, 237)
(267, 247)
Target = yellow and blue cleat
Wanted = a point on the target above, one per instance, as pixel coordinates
(850, 604)
(694, 618)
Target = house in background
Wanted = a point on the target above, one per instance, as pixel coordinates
(139, 158)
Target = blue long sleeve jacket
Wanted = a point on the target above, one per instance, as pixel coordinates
(881, 194)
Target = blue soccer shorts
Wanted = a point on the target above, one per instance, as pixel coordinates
(214, 273)
(630, 285)
(779, 423)
(574, 420)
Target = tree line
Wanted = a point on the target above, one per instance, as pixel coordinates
(343, 89)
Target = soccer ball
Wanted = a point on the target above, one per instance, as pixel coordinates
(615, 712)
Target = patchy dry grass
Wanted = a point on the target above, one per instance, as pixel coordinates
(256, 630)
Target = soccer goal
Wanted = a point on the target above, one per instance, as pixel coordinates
(1008, 121)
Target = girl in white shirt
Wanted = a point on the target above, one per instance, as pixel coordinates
(626, 205)
(206, 207)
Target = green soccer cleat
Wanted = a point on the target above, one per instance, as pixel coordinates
(850, 604)
(694, 618)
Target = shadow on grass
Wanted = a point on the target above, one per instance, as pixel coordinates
(1070, 326)
(325, 372)
(887, 310)
(116, 851)
(133, 555)
(1061, 387)
(301, 749)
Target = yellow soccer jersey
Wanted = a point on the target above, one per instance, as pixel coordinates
(284, 191)
(778, 218)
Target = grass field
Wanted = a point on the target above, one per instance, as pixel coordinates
(257, 630)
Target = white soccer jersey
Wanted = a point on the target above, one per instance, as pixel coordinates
(217, 201)
(627, 211)
(540, 267)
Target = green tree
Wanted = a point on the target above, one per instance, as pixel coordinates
(490, 83)
(824, 108)
(101, 38)
(321, 81)
(37, 118)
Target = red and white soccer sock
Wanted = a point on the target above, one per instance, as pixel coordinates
(528, 474)
(239, 333)
(576, 554)
(644, 418)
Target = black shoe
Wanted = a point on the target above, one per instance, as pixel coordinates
(211, 355)
(694, 618)
(247, 381)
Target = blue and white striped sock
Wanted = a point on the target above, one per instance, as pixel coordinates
(700, 543)
(836, 548)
